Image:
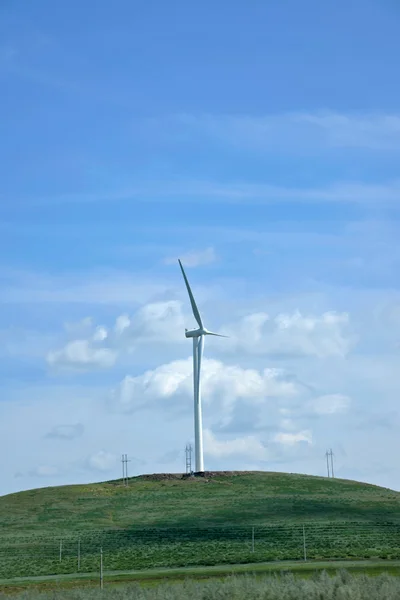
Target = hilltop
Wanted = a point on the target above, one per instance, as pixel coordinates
(220, 498)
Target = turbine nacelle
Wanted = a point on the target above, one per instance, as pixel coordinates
(194, 333)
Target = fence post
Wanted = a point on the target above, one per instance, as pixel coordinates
(79, 553)
(101, 568)
(304, 543)
(252, 539)
(60, 550)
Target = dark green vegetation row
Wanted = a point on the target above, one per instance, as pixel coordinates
(176, 522)
(278, 587)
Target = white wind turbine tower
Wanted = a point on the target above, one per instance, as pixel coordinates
(198, 347)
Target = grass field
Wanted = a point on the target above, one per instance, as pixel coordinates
(154, 577)
(168, 521)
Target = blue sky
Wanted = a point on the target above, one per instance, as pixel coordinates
(257, 141)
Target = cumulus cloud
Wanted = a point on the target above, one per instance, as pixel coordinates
(170, 386)
(100, 334)
(330, 404)
(290, 334)
(102, 461)
(248, 447)
(288, 424)
(44, 471)
(194, 258)
(122, 323)
(79, 328)
(82, 355)
(154, 322)
(290, 439)
(285, 335)
(66, 432)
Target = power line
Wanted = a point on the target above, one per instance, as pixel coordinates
(331, 453)
(188, 452)
(126, 468)
(327, 462)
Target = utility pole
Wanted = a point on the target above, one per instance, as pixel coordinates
(327, 462)
(252, 539)
(126, 468)
(79, 553)
(331, 454)
(101, 568)
(188, 452)
(125, 461)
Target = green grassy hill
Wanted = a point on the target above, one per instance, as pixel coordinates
(168, 521)
(229, 499)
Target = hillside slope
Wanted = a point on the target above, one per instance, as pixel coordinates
(167, 520)
(252, 498)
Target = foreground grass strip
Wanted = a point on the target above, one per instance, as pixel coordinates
(370, 567)
(286, 586)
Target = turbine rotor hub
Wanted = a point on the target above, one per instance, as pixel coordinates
(192, 333)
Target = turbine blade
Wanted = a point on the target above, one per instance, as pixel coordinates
(217, 334)
(192, 300)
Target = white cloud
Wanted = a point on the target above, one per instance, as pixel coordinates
(81, 355)
(290, 334)
(160, 322)
(249, 447)
(102, 461)
(354, 192)
(290, 439)
(194, 258)
(330, 404)
(124, 287)
(293, 131)
(222, 387)
(121, 324)
(94, 288)
(66, 432)
(154, 322)
(79, 328)
(100, 334)
(40, 409)
(373, 131)
(44, 471)
(288, 424)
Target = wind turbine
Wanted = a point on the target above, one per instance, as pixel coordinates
(198, 348)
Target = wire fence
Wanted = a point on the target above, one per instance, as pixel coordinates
(151, 547)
